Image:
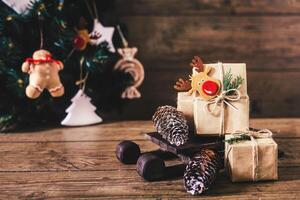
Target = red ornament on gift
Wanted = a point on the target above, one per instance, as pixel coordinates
(210, 88)
(202, 82)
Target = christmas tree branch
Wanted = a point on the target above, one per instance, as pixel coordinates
(19, 38)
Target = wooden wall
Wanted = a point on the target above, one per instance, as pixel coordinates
(264, 34)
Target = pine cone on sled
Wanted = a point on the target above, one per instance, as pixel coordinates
(171, 124)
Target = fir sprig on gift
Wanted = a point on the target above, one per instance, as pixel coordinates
(237, 139)
(229, 82)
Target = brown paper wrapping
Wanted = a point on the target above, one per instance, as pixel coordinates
(205, 123)
(237, 69)
(185, 105)
(209, 124)
(240, 163)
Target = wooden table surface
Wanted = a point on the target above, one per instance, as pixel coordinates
(80, 163)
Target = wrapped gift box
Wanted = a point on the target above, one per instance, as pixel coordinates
(251, 160)
(210, 124)
(216, 123)
(185, 104)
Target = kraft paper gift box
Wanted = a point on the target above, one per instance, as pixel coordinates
(251, 160)
(211, 124)
(234, 117)
(185, 104)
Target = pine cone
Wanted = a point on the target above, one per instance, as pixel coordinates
(171, 124)
(201, 171)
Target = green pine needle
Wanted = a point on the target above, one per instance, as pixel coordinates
(229, 82)
(5, 120)
(237, 139)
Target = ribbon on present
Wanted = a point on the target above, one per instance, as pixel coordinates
(253, 135)
(263, 133)
(221, 100)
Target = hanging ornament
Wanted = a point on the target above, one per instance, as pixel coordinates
(82, 38)
(100, 33)
(43, 71)
(130, 65)
(60, 5)
(19, 6)
(43, 74)
(81, 112)
(106, 34)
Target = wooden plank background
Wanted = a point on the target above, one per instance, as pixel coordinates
(263, 34)
(80, 163)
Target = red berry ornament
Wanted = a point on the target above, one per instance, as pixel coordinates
(81, 39)
(210, 88)
(79, 42)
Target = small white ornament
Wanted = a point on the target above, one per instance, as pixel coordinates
(81, 112)
(102, 34)
(19, 6)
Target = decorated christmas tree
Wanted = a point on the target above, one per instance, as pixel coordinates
(56, 25)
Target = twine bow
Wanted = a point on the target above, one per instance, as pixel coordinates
(220, 100)
(218, 103)
(224, 97)
(253, 134)
(263, 133)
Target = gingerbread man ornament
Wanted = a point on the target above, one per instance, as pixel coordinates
(43, 74)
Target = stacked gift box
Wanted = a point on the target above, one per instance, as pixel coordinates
(212, 107)
(221, 108)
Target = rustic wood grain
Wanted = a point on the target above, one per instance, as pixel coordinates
(206, 7)
(128, 185)
(74, 156)
(272, 94)
(263, 34)
(263, 42)
(65, 163)
(133, 130)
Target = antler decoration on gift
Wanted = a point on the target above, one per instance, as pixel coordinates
(182, 85)
(185, 85)
(197, 64)
(203, 84)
